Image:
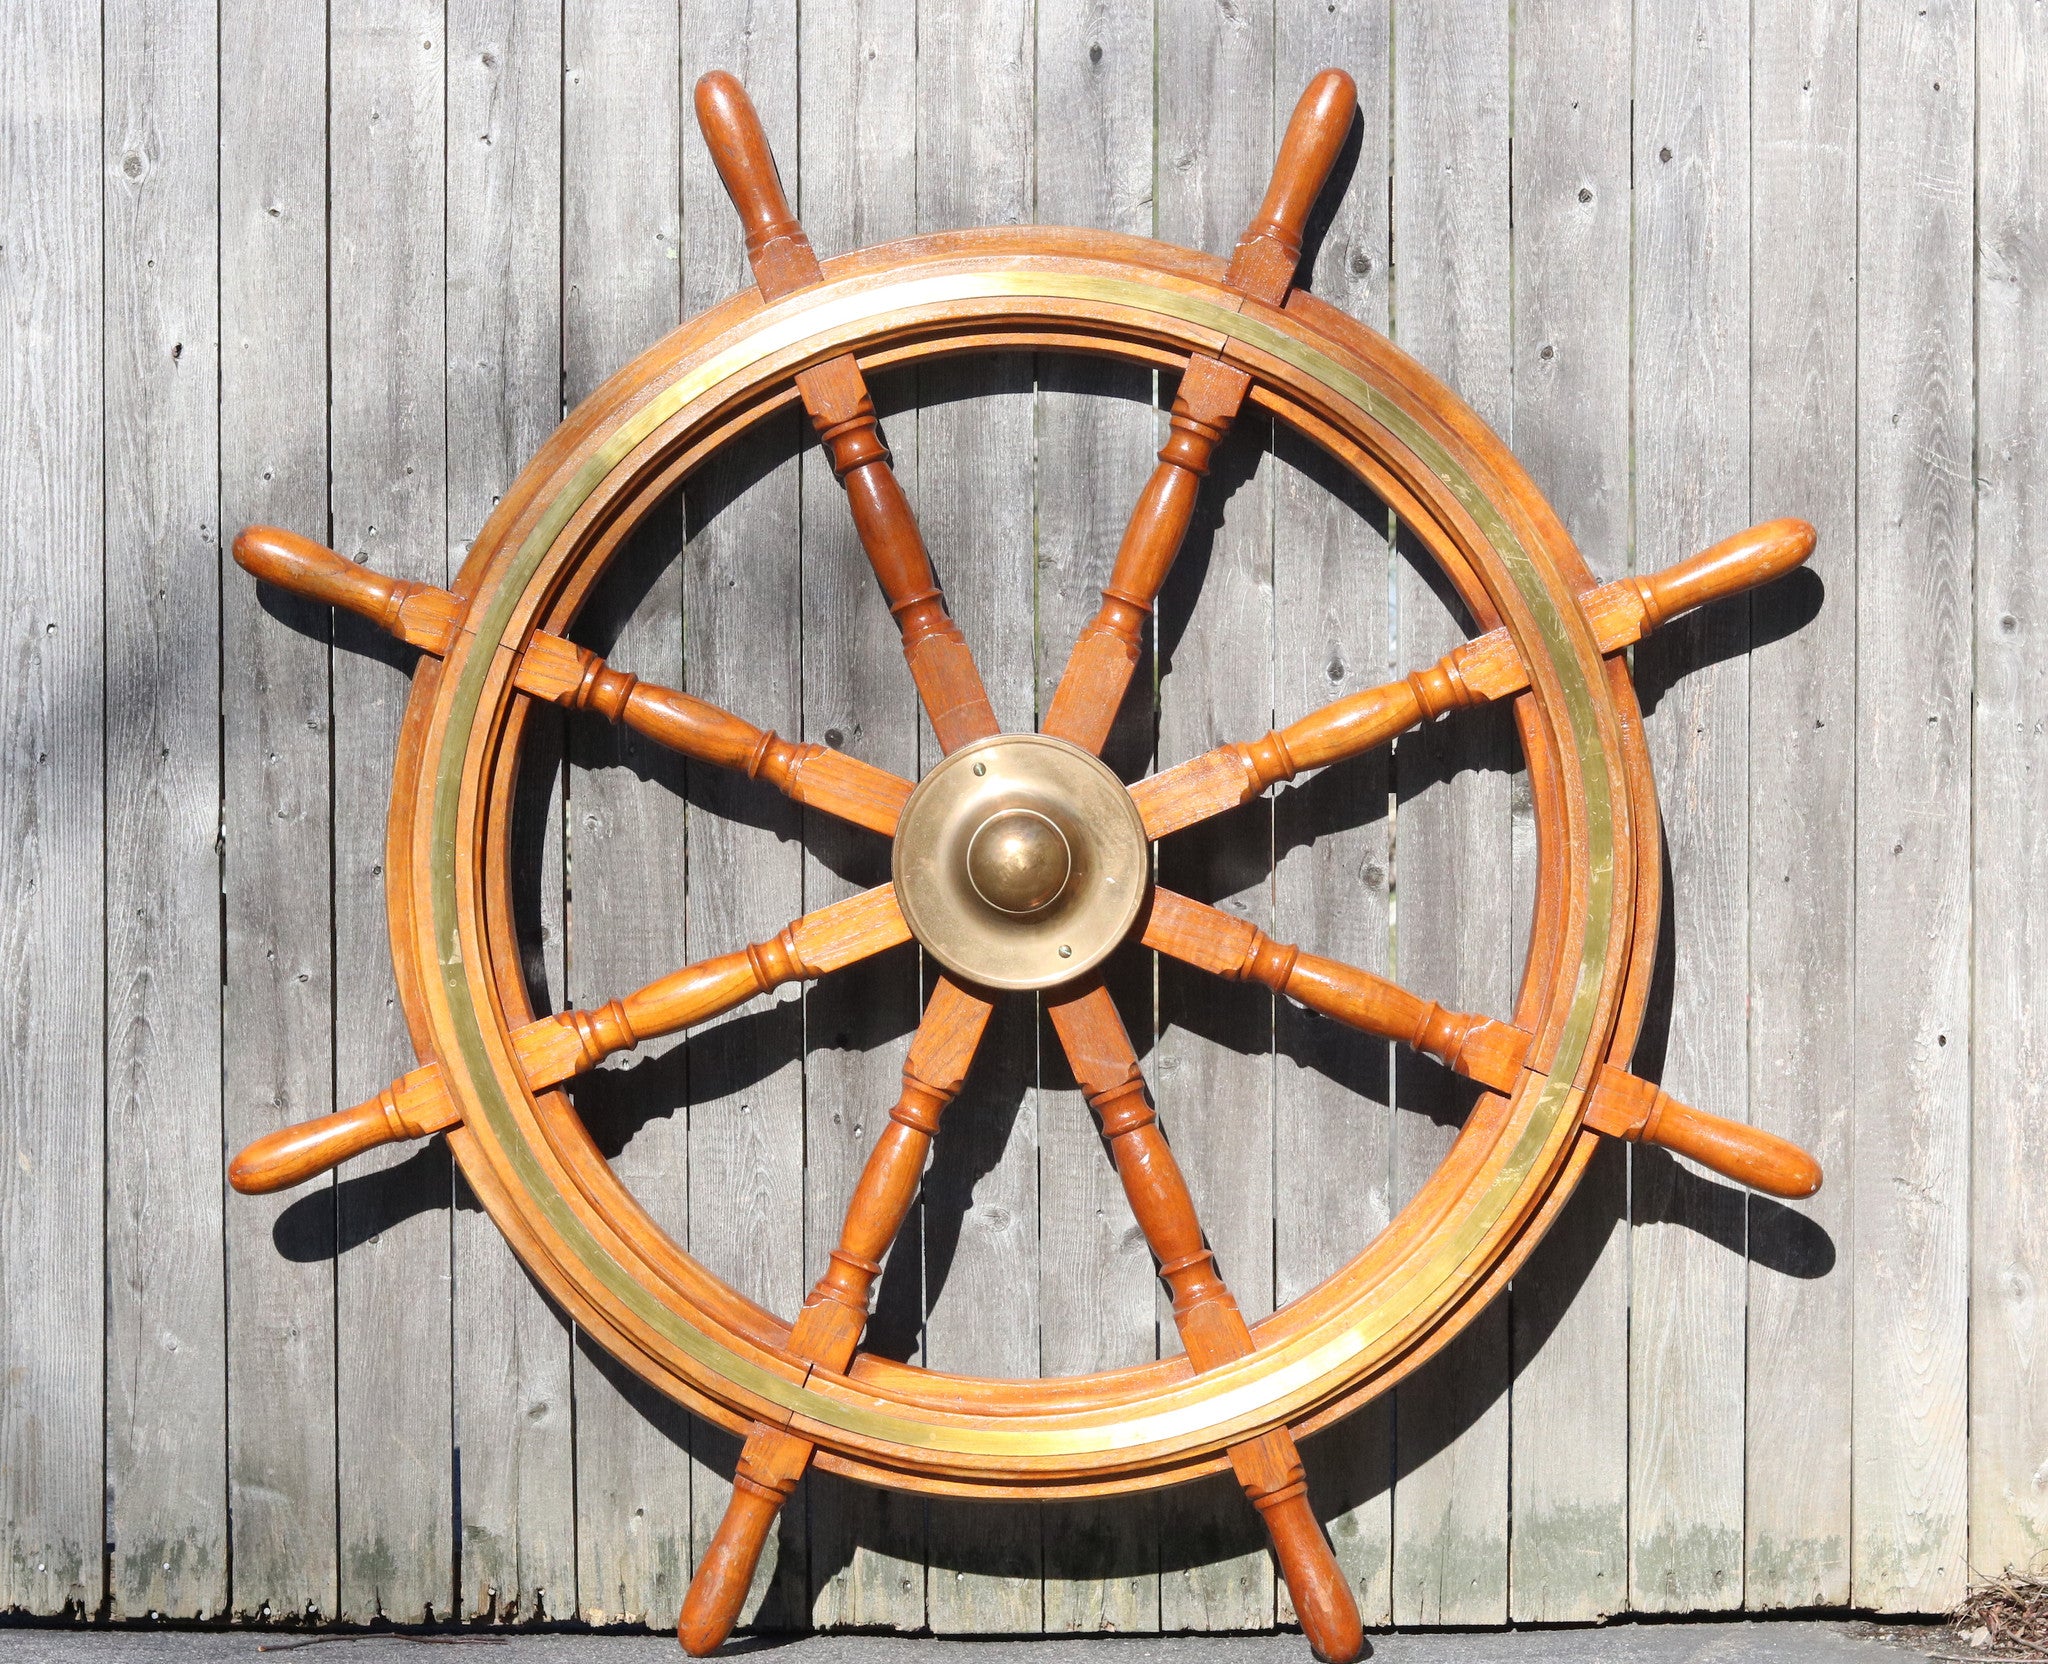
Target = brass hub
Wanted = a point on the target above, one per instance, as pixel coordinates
(1020, 862)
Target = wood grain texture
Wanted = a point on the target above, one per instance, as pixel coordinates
(278, 996)
(1454, 856)
(1802, 782)
(742, 649)
(1823, 851)
(388, 501)
(1096, 439)
(1915, 553)
(166, 1345)
(1212, 1061)
(1332, 837)
(1568, 1507)
(623, 104)
(1692, 102)
(513, 1437)
(975, 135)
(2009, 1201)
(52, 964)
(857, 179)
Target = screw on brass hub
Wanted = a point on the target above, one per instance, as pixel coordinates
(1020, 862)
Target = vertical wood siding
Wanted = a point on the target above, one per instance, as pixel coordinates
(1702, 263)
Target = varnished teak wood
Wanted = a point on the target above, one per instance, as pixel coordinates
(551, 1049)
(1099, 671)
(559, 671)
(836, 1310)
(1488, 668)
(1487, 1051)
(836, 395)
(1212, 1328)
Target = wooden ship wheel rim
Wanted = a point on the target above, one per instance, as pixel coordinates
(1436, 1262)
(1021, 861)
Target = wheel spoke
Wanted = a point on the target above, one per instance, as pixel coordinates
(1493, 1053)
(1212, 1328)
(1099, 670)
(836, 395)
(1487, 668)
(1237, 950)
(814, 775)
(551, 1049)
(562, 673)
(835, 1312)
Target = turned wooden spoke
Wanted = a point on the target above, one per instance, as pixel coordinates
(836, 395)
(1213, 940)
(836, 1310)
(1488, 668)
(1490, 1052)
(562, 673)
(551, 1049)
(1211, 1326)
(1211, 392)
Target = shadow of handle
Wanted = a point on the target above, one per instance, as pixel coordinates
(1624, 1106)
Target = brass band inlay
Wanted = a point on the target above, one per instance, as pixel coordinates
(1268, 1385)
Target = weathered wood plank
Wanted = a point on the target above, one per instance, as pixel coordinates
(858, 178)
(1332, 835)
(1916, 546)
(2009, 1228)
(52, 968)
(1454, 872)
(1213, 1068)
(622, 112)
(975, 134)
(1802, 772)
(514, 1463)
(1096, 1303)
(278, 1018)
(742, 649)
(1691, 253)
(1568, 1512)
(166, 1406)
(386, 196)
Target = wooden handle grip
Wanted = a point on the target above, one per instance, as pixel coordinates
(777, 248)
(1749, 1155)
(726, 1572)
(420, 614)
(1315, 136)
(1322, 1595)
(739, 147)
(771, 1462)
(1623, 1105)
(1737, 563)
(1271, 247)
(410, 1108)
(310, 569)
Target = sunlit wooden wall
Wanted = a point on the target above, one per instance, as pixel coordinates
(343, 268)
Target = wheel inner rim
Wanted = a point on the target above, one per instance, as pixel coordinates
(1049, 829)
(1278, 1382)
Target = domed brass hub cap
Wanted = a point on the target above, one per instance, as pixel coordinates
(1020, 862)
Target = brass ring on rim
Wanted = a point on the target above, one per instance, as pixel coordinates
(1406, 1292)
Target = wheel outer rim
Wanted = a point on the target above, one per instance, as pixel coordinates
(1174, 1430)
